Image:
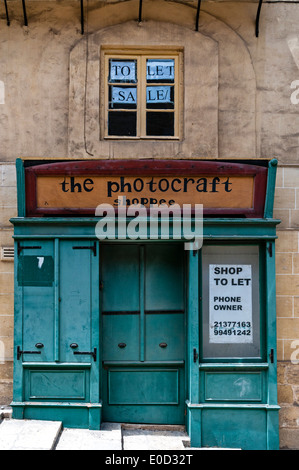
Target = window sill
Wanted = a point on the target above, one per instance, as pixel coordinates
(154, 139)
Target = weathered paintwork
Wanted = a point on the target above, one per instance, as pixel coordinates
(143, 333)
(156, 285)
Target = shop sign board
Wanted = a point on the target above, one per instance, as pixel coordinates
(79, 187)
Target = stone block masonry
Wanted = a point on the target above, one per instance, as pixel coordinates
(8, 209)
(287, 303)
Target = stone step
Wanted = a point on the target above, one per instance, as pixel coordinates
(29, 434)
(50, 435)
(153, 437)
(108, 438)
(5, 412)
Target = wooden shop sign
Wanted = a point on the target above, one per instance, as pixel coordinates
(78, 187)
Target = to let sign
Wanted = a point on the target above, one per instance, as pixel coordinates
(160, 70)
(230, 292)
(79, 187)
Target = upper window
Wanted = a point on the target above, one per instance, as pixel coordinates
(142, 95)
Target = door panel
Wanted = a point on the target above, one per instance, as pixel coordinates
(144, 395)
(143, 386)
(121, 337)
(164, 340)
(143, 331)
(35, 276)
(164, 274)
(75, 302)
(120, 278)
(120, 302)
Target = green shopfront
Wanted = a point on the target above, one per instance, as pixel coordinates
(135, 328)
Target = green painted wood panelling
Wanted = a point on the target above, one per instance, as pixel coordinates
(37, 303)
(71, 415)
(165, 329)
(146, 325)
(142, 295)
(234, 428)
(164, 274)
(143, 386)
(36, 271)
(144, 394)
(56, 385)
(120, 278)
(233, 386)
(121, 329)
(75, 300)
(21, 197)
(269, 203)
(193, 326)
(270, 318)
(71, 228)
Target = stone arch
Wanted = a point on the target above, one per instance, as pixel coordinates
(217, 62)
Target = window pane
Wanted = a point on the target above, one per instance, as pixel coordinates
(160, 70)
(160, 124)
(122, 97)
(122, 123)
(160, 97)
(231, 309)
(122, 71)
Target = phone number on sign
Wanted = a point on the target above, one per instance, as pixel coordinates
(232, 332)
(231, 328)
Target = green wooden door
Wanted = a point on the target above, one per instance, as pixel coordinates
(143, 333)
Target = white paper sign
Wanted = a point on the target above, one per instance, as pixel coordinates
(124, 95)
(230, 303)
(158, 94)
(160, 69)
(122, 70)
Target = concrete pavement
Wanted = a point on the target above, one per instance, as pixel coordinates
(29, 435)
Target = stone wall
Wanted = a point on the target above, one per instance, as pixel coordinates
(8, 201)
(256, 117)
(49, 109)
(287, 269)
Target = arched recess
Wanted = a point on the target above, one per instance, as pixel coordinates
(219, 83)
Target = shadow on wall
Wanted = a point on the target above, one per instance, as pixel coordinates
(2, 93)
(2, 352)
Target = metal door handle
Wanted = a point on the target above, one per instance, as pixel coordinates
(89, 353)
(271, 356)
(163, 345)
(122, 345)
(20, 352)
(20, 248)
